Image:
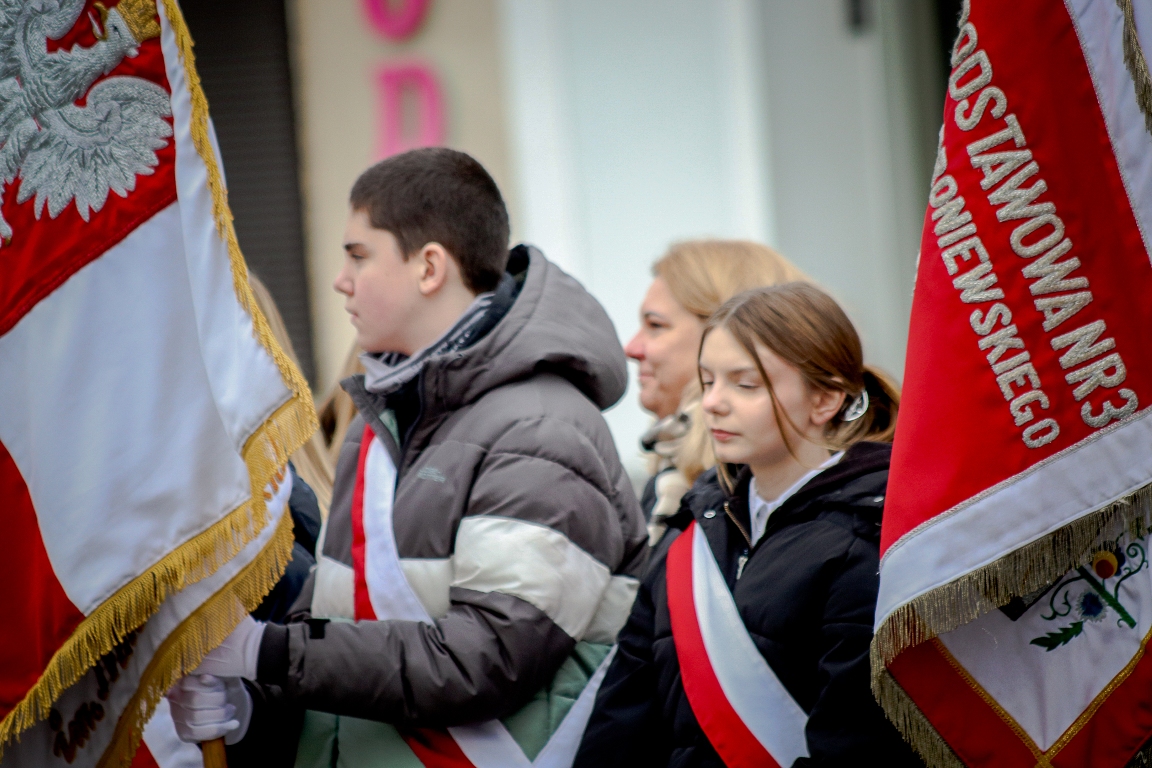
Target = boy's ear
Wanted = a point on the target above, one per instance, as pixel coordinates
(434, 266)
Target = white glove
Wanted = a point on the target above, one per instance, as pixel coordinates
(237, 655)
(206, 707)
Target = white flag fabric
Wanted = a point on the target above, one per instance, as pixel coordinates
(146, 413)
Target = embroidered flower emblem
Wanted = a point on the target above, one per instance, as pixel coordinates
(1106, 563)
(1090, 606)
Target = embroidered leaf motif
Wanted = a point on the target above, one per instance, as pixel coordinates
(1054, 640)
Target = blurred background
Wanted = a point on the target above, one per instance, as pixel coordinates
(613, 127)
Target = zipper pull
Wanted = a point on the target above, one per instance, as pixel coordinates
(740, 563)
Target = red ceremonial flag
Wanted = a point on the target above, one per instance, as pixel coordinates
(146, 413)
(1015, 590)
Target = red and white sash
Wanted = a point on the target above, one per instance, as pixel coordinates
(382, 591)
(743, 708)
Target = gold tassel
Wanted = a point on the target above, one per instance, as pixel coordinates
(912, 724)
(1136, 63)
(265, 452)
(1021, 572)
(207, 626)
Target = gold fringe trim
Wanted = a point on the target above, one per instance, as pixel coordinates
(184, 649)
(293, 379)
(265, 452)
(126, 610)
(1136, 63)
(1021, 572)
(912, 724)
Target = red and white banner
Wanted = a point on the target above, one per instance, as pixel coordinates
(1015, 591)
(742, 707)
(381, 590)
(146, 414)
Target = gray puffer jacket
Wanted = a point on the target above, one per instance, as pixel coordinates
(515, 523)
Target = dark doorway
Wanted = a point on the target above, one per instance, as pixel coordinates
(242, 56)
(948, 16)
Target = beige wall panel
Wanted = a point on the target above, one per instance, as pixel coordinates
(337, 54)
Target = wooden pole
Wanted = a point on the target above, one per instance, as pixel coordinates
(214, 755)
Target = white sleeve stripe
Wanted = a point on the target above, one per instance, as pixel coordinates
(430, 579)
(333, 591)
(614, 609)
(533, 562)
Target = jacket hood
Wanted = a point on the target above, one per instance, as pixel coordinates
(554, 325)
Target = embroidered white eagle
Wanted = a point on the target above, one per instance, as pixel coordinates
(60, 151)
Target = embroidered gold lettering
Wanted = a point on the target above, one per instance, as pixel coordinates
(1011, 132)
(1110, 412)
(975, 285)
(983, 324)
(1059, 308)
(1096, 375)
(1000, 342)
(1050, 275)
(978, 59)
(998, 166)
(1019, 407)
(972, 119)
(964, 250)
(1036, 437)
(1084, 345)
(1030, 227)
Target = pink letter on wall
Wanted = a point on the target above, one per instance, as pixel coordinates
(396, 23)
(422, 125)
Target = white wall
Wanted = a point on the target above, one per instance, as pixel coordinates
(634, 124)
(851, 140)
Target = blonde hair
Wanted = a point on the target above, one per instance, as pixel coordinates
(311, 459)
(807, 329)
(337, 410)
(702, 275)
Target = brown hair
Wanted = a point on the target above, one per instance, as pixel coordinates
(807, 329)
(439, 195)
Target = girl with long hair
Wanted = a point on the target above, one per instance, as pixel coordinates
(749, 638)
(690, 282)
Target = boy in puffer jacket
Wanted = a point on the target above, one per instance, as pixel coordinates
(484, 541)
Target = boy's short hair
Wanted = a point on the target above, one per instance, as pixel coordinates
(439, 195)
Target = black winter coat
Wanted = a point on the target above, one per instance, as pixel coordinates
(807, 594)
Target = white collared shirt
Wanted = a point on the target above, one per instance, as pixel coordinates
(760, 510)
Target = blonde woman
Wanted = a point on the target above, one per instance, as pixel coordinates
(690, 282)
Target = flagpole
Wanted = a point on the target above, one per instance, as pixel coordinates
(214, 755)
